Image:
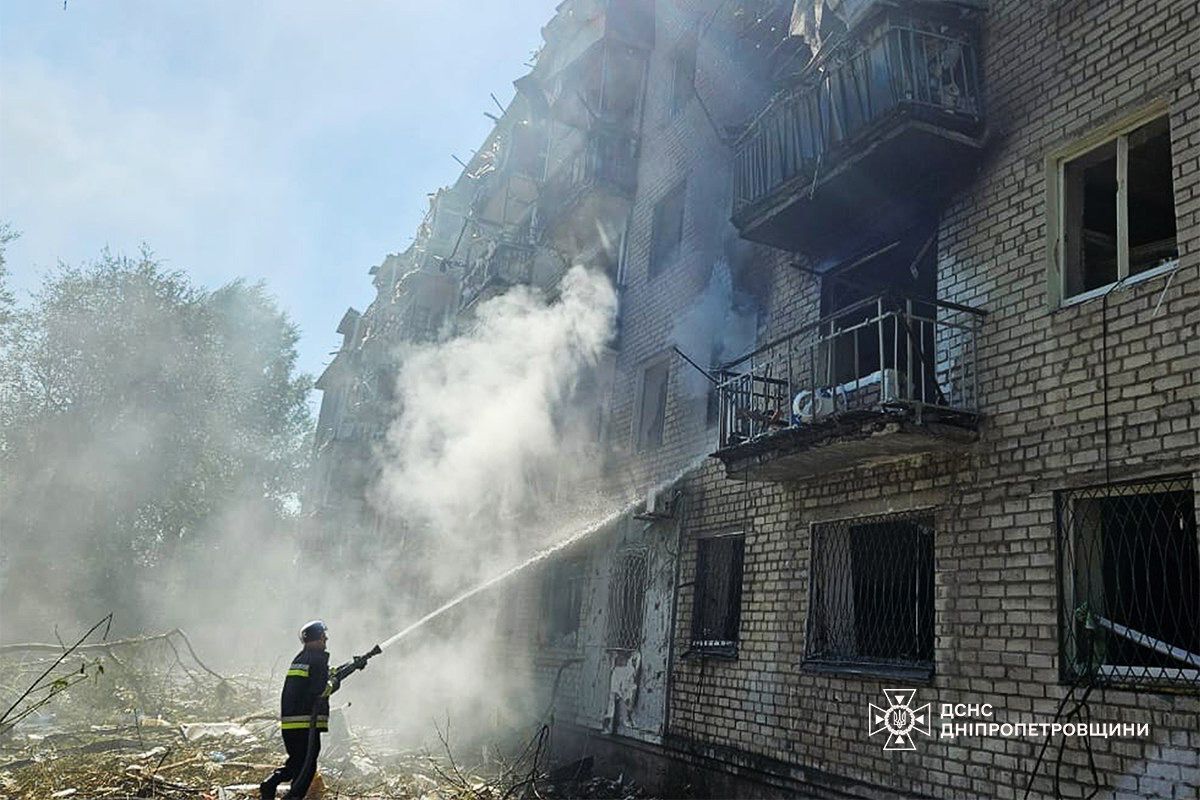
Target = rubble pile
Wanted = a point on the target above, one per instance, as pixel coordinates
(144, 718)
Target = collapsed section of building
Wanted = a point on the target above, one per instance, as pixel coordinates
(923, 279)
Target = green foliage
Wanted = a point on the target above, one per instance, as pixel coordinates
(141, 416)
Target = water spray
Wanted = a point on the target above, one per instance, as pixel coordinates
(534, 559)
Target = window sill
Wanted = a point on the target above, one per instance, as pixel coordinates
(1154, 272)
(1157, 680)
(720, 652)
(896, 672)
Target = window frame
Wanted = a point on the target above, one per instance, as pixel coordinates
(663, 256)
(917, 672)
(1055, 171)
(1129, 677)
(566, 576)
(639, 444)
(718, 648)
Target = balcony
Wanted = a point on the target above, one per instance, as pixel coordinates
(509, 264)
(591, 192)
(579, 24)
(883, 378)
(878, 134)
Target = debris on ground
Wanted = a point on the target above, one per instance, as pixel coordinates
(146, 718)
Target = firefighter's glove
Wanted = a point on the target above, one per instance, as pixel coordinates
(360, 662)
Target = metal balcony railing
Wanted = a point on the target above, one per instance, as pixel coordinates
(510, 264)
(607, 162)
(881, 354)
(902, 67)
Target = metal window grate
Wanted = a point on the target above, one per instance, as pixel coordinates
(627, 599)
(1129, 583)
(871, 592)
(717, 603)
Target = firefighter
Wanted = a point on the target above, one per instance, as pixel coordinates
(304, 710)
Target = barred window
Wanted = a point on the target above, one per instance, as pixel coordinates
(717, 603)
(627, 599)
(562, 599)
(870, 598)
(1130, 583)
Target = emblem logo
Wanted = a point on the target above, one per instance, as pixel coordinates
(899, 719)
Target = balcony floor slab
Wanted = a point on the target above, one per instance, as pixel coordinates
(853, 439)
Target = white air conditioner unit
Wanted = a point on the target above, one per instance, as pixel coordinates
(889, 386)
(660, 504)
(829, 400)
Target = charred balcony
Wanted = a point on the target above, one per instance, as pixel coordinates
(593, 189)
(507, 264)
(874, 134)
(886, 377)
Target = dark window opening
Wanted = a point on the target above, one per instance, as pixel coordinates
(683, 76)
(627, 600)
(1151, 197)
(1131, 176)
(871, 593)
(1090, 182)
(653, 408)
(562, 600)
(712, 406)
(1130, 588)
(712, 400)
(667, 231)
(858, 340)
(717, 602)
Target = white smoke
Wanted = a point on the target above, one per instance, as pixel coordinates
(484, 432)
(484, 422)
(720, 326)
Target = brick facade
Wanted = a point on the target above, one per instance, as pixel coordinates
(1051, 74)
(1077, 394)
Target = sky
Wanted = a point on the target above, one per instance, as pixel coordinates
(293, 142)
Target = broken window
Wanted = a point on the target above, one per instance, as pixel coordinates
(717, 602)
(562, 599)
(652, 413)
(667, 231)
(683, 76)
(1118, 209)
(870, 601)
(1130, 582)
(627, 599)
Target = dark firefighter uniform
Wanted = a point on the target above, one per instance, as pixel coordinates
(306, 688)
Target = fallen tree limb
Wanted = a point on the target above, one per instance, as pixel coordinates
(46, 647)
(107, 621)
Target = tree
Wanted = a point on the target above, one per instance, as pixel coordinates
(144, 417)
(7, 301)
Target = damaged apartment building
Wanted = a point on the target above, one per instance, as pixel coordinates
(907, 365)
